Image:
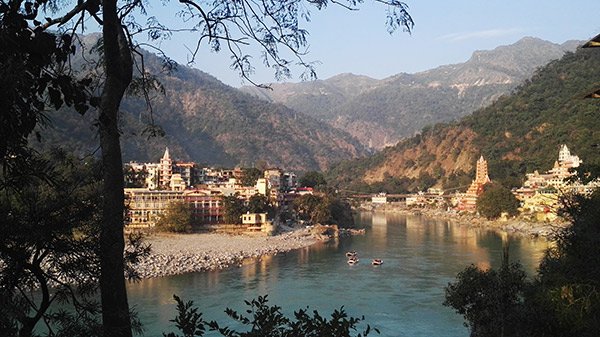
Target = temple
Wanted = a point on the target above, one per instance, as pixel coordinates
(468, 201)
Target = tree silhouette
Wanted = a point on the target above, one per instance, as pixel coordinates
(222, 24)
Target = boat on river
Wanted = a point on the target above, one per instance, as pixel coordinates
(351, 254)
(353, 261)
(377, 262)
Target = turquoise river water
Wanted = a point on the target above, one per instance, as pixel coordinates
(402, 297)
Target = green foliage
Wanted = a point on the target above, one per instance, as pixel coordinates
(568, 288)
(457, 181)
(49, 238)
(188, 320)
(324, 209)
(134, 178)
(311, 207)
(267, 321)
(313, 179)
(495, 200)
(490, 301)
(233, 207)
(34, 76)
(251, 175)
(259, 203)
(177, 218)
(562, 301)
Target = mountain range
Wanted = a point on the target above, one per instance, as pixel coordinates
(379, 113)
(214, 124)
(518, 133)
(208, 122)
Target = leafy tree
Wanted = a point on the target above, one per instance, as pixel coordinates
(341, 212)
(324, 209)
(258, 203)
(266, 320)
(233, 207)
(270, 24)
(567, 294)
(49, 247)
(313, 179)
(47, 240)
(251, 175)
(495, 200)
(311, 208)
(490, 301)
(176, 218)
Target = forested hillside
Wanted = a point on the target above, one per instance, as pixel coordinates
(519, 133)
(210, 123)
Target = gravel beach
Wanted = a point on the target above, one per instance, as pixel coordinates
(183, 253)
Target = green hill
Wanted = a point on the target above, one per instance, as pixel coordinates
(518, 133)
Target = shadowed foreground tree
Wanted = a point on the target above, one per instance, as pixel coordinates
(567, 290)
(232, 25)
(490, 301)
(49, 246)
(562, 300)
(48, 238)
(265, 320)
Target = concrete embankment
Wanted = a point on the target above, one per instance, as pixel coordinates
(183, 253)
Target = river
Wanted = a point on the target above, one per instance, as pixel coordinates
(402, 297)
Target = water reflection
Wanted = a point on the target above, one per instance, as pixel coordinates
(401, 297)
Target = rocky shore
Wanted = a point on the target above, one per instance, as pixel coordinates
(514, 226)
(183, 253)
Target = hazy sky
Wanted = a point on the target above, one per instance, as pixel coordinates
(445, 32)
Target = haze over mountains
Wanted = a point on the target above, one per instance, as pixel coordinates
(381, 112)
(214, 124)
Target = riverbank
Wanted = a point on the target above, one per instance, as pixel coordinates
(173, 254)
(513, 226)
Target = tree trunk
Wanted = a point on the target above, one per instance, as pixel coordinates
(118, 68)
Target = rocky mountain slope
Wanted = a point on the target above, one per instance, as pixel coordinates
(210, 123)
(517, 134)
(381, 112)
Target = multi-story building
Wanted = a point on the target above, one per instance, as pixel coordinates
(207, 207)
(145, 206)
(186, 171)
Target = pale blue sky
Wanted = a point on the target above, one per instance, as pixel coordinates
(445, 32)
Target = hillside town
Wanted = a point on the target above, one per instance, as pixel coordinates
(539, 196)
(203, 188)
